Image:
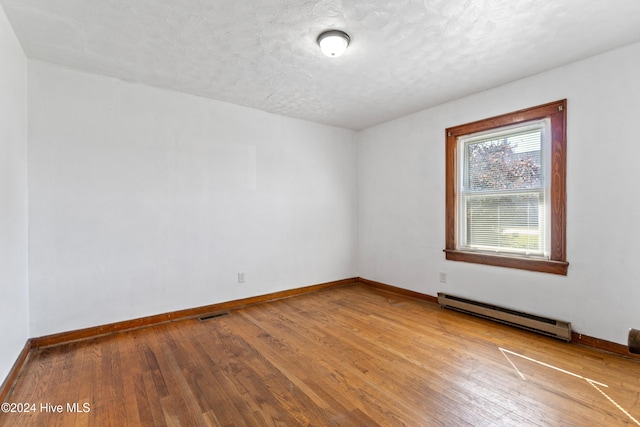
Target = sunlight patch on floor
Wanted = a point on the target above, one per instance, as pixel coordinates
(591, 382)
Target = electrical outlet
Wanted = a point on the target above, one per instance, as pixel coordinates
(443, 277)
(241, 277)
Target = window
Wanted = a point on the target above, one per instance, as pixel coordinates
(505, 189)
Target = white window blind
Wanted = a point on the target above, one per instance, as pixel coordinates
(503, 191)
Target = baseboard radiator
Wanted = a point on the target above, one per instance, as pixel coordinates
(550, 327)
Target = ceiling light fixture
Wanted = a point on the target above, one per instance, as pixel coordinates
(333, 43)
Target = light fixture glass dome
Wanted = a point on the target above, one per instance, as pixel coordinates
(333, 43)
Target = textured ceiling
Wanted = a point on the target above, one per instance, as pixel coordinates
(405, 55)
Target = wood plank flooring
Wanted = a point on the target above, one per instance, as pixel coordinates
(348, 356)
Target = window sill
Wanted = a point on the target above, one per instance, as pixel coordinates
(540, 265)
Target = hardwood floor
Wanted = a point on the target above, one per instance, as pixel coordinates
(346, 356)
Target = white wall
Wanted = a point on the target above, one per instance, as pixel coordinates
(401, 199)
(144, 201)
(14, 307)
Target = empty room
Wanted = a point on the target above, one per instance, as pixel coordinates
(394, 213)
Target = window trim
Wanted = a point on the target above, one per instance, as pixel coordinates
(557, 263)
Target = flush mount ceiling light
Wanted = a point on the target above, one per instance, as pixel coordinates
(333, 43)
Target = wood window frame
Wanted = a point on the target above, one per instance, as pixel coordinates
(557, 263)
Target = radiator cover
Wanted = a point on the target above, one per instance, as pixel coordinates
(531, 322)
